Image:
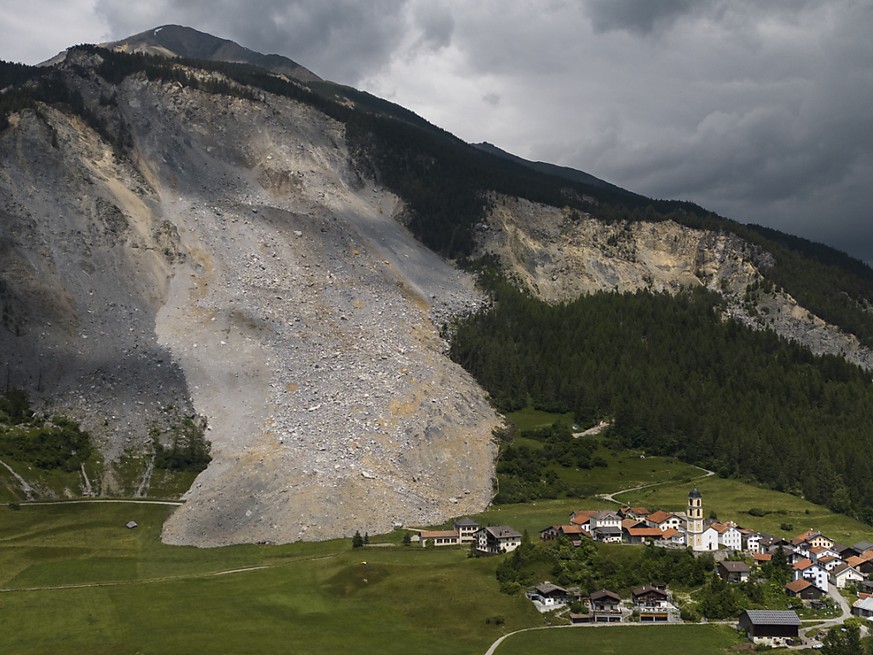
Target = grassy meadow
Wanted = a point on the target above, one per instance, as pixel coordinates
(696, 639)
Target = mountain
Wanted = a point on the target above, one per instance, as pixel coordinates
(550, 169)
(188, 43)
(281, 260)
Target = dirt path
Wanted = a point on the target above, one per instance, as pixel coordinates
(611, 497)
(174, 503)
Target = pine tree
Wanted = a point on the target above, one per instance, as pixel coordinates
(357, 540)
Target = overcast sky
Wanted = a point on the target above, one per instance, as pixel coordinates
(759, 110)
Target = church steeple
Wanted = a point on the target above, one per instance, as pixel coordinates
(694, 530)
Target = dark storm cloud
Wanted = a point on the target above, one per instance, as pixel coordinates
(757, 110)
(635, 16)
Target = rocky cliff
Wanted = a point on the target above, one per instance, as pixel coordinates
(560, 254)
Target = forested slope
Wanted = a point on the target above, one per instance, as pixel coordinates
(679, 380)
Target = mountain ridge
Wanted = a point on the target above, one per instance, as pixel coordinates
(207, 239)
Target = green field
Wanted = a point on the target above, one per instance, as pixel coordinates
(532, 419)
(696, 639)
(145, 597)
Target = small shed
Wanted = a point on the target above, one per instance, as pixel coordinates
(130, 525)
(770, 627)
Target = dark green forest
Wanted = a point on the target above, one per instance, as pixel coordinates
(678, 380)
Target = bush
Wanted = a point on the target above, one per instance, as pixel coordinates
(787, 527)
(757, 511)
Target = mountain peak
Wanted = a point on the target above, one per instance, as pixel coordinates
(186, 42)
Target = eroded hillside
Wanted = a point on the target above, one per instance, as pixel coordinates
(561, 254)
(241, 270)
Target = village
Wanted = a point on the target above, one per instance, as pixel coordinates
(820, 568)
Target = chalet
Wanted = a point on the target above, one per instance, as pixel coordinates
(770, 627)
(803, 589)
(466, 529)
(728, 535)
(439, 538)
(652, 603)
(733, 571)
(495, 539)
(811, 571)
(844, 575)
(550, 595)
(664, 520)
(606, 606)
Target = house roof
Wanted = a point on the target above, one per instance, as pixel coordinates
(466, 522)
(861, 546)
(607, 529)
(734, 567)
(864, 603)
(572, 529)
(669, 533)
(798, 585)
(639, 511)
(802, 564)
(772, 617)
(605, 514)
(503, 532)
(629, 523)
(842, 568)
(581, 517)
(659, 517)
(762, 557)
(645, 532)
(605, 593)
(437, 534)
(547, 589)
(647, 589)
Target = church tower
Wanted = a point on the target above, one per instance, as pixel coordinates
(694, 532)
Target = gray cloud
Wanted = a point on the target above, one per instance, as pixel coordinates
(756, 110)
(635, 16)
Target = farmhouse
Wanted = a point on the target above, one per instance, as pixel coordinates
(728, 535)
(863, 607)
(811, 571)
(496, 539)
(770, 627)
